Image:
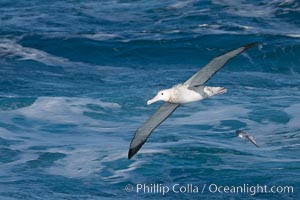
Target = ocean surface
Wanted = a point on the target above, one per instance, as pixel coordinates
(75, 77)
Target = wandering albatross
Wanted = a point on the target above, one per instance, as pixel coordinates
(191, 90)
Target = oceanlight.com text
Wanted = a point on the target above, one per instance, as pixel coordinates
(164, 189)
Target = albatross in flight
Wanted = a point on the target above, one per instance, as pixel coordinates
(191, 90)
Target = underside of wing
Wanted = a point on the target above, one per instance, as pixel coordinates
(213, 66)
(140, 137)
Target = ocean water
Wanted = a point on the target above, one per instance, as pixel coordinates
(75, 77)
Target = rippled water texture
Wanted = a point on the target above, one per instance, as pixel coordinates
(75, 77)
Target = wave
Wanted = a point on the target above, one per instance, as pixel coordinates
(293, 111)
(61, 109)
(10, 48)
(159, 20)
(100, 36)
(79, 150)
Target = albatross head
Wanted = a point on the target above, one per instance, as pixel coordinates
(163, 95)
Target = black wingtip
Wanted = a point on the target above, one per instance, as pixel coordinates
(256, 145)
(133, 151)
(250, 45)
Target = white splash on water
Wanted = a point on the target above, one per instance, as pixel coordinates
(181, 4)
(10, 48)
(60, 109)
(212, 115)
(86, 153)
(294, 35)
(100, 36)
(294, 112)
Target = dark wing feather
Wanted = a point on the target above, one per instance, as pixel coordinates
(251, 139)
(141, 135)
(204, 74)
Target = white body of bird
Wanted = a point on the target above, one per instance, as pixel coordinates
(182, 94)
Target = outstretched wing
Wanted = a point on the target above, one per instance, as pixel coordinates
(167, 109)
(204, 74)
(141, 135)
(251, 139)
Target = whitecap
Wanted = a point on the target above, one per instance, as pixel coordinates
(100, 36)
(11, 49)
(294, 35)
(294, 111)
(241, 8)
(203, 25)
(60, 110)
(181, 4)
(92, 159)
(77, 164)
(213, 116)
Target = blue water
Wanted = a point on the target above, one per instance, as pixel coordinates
(75, 77)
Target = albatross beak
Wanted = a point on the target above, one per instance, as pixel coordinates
(151, 101)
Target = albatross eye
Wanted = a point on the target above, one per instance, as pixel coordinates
(162, 93)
